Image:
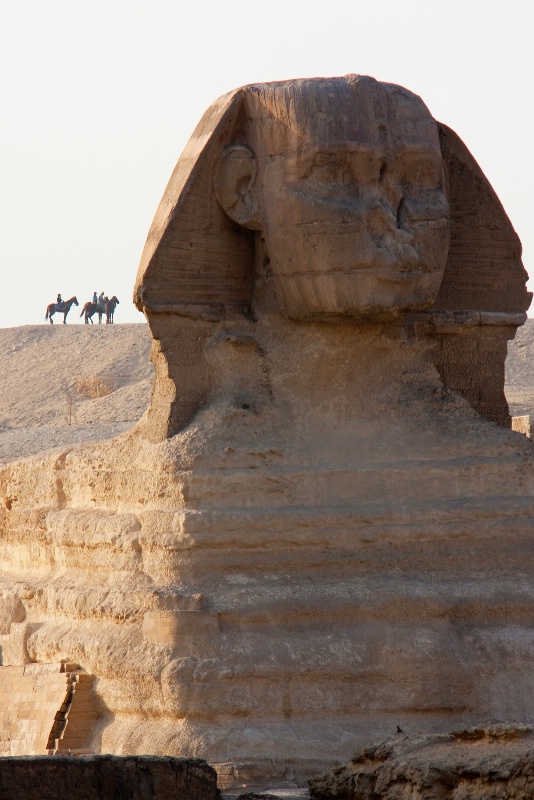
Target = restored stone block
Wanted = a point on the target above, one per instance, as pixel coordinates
(523, 425)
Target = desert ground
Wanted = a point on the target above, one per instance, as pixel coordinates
(66, 384)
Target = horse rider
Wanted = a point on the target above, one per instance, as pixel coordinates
(101, 299)
(59, 303)
(95, 298)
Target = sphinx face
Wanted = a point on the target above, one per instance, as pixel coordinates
(356, 220)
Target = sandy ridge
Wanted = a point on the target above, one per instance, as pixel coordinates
(62, 385)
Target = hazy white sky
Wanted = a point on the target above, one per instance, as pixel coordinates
(100, 96)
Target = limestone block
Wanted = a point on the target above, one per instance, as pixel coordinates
(523, 425)
(13, 645)
(103, 777)
(178, 628)
(11, 610)
(41, 711)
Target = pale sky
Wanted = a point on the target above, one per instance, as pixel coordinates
(99, 98)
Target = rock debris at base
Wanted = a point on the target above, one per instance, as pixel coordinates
(491, 763)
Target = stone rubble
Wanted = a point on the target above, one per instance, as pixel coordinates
(484, 763)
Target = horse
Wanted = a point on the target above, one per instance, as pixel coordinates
(92, 308)
(110, 309)
(53, 308)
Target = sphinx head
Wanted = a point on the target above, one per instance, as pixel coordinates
(341, 196)
(328, 200)
(343, 178)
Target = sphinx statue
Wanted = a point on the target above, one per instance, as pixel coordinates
(332, 200)
(319, 529)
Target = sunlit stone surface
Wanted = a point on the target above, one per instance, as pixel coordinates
(322, 526)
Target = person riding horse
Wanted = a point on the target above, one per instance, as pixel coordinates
(60, 306)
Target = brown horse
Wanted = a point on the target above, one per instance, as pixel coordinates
(64, 309)
(92, 308)
(110, 309)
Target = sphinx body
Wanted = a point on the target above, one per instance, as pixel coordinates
(321, 527)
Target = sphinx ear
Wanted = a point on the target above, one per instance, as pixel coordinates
(235, 185)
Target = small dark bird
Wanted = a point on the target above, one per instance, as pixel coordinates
(399, 730)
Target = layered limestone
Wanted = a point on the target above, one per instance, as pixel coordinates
(318, 530)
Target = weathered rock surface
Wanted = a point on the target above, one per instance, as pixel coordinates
(314, 534)
(245, 601)
(490, 763)
(106, 778)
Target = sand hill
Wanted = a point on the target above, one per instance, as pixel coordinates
(65, 384)
(68, 384)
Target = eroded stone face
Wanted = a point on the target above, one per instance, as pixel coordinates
(356, 219)
(329, 200)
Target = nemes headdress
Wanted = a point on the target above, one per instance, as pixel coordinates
(199, 260)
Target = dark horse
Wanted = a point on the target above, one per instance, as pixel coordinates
(92, 308)
(110, 308)
(64, 309)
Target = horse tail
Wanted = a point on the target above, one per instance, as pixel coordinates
(46, 315)
(83, 312)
